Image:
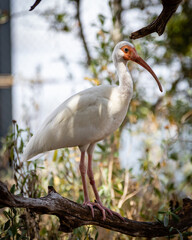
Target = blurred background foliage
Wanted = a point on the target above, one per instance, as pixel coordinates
(161, 124)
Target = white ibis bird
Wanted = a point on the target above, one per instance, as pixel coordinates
(88, 117)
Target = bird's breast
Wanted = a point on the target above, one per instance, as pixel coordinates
(116, 110)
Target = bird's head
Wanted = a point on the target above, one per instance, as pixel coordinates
(125, 51)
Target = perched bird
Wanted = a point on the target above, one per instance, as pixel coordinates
(88, 117)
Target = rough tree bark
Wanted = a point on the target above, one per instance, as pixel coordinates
(73, 215)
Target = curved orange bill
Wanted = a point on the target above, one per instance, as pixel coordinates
(141, 62)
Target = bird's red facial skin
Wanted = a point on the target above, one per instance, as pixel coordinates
(129, 53)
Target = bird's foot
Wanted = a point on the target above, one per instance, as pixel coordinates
(102, 208)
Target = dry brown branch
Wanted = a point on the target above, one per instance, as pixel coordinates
(73, 215)
(169, 7)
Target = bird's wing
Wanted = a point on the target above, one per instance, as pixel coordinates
(82, 119)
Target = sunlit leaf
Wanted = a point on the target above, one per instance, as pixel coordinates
(55, 156)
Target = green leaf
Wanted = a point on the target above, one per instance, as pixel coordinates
(7, 224)
(175, 216)
(21, 146)
(96, 235)
(161, 212)
(41, 167)
(12, 190)
(157, 192)
(7, 214)
(60, 17)
(166, 220)
(102, 147)
(118, 191)
(101, 18)
(180, 234)
(13, 229)
(14, 211)
(174, 156)
(12, 153)
(17, 127)
(55, 156)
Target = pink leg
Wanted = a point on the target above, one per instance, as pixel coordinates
(82, 168)
(91, 178)
(98, 203)
(92, 182)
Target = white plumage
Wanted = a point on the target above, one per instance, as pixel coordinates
(85, 118)
(88, 117)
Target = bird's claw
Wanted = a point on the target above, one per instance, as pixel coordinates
(112, 213)
(103, 210)
(90, 205)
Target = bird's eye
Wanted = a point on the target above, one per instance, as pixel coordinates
(126, 50)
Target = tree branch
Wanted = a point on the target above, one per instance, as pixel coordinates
(78, 2)
(169, 7)
(73, 215)
(35, 5)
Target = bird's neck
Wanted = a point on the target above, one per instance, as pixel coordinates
(125, 80)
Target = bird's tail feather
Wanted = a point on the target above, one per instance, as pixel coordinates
(31, 151)
(30, 158)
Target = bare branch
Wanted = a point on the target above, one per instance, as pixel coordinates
(73, 215)
(169, 7)
(78, 16)
(35, 5)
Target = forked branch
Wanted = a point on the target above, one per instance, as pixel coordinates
(73, 215)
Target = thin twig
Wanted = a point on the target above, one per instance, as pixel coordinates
(78, 2)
